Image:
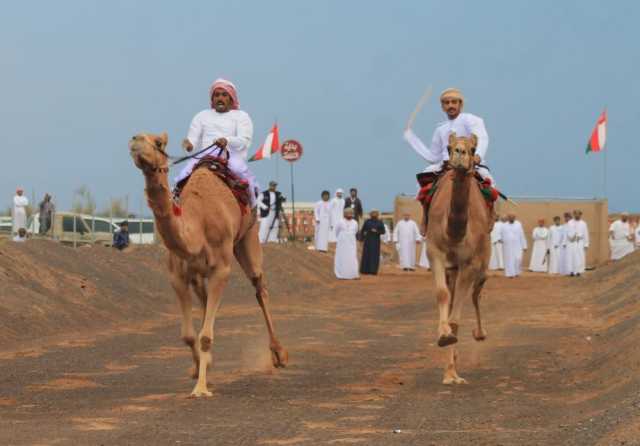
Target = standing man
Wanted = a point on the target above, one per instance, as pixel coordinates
(322, 218)
(514, 244)
(555, 245)
(372, 230)
(353, 202)
(226, 126)
(539, 259)
(637, 233)
(20, 203)
(620, 237)
(46, 210)
(578, 243)
(565, 266)
(337, 212)
(407, 237)
(345, 264)
(463, 124)
(270, 210)
(497, 259)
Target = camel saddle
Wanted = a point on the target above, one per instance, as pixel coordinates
(220, 167)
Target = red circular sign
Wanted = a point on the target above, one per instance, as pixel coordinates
(291, 150)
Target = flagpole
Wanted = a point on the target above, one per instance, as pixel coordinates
(604, 167)
(293, 206)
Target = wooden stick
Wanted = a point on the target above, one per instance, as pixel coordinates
(419, 105)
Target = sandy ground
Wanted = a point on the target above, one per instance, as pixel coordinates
(560, 366)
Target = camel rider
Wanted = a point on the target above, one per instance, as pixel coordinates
(226, 125)
(463, 124)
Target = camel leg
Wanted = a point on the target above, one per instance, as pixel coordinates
(479, 334)
(445, 334)
(450, 370)
(199, 286)
(452, 277)
(180, 284)
(463, 286)
(215, 284)
(248, 252)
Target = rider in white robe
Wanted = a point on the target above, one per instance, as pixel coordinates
(337, 212)
(20, 203)
(555, 245)
(621, 237)
(228, 126)
(497, 259)
(322, 217)
(539, 260)
(345, 264)
(514, 243)
(406, 235)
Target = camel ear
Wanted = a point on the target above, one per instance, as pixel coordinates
(452, 139)
(164, 139)
(474, 141)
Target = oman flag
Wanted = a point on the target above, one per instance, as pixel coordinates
(599, 134)
(271, 145)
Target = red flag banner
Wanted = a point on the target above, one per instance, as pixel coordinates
(599, 134)
(271, 145)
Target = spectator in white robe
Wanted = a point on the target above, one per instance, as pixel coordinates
(337, 212)
(407, 237)
(322, 218)
(514, 244)
(463, 124)
(387, 237)
(555, 245)
(228, 127)
(21, 236)
(577, 244)
(345, 264)
(637, 233)
(424, 259)
(539, 262)
(19, 211)
(621, 237)
(497, 259)
(564, 261)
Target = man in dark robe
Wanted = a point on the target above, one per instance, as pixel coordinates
(353, 202)
(370, 234)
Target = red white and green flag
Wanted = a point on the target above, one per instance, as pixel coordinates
(599, 134)
(271, 145)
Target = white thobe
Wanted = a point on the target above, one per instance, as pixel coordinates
(637, 231)
(514, 242)
(387, 236)
(345, 264)
(620, 239)
(337, 214)
(463, 125)
(497, 259)
(539, 262)
(424, 260)
(406, 234)
(322, 216)
(577, 243)
(236, 127)
(563, 259)
(555, 245)
(20, 203)
(269, 225)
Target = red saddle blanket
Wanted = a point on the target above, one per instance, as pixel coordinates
(429, 184)
(220, 166)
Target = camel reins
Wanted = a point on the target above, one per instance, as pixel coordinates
(180, 159)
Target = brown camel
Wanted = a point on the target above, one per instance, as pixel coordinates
(202, 243)
(459, 246)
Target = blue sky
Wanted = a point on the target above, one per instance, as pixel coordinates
(80, 77)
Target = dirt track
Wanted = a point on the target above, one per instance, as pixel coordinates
(560, 365)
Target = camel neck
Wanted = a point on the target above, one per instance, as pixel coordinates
(459, 206)
(161, 204)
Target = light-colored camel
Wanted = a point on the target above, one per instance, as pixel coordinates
(459, 246)
(202, 243)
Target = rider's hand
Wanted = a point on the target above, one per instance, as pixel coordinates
(186, 145)
(221, 142)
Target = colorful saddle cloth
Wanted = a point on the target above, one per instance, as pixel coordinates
(429, 184)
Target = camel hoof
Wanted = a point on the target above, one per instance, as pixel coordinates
(479, 335)
(454, 380)
(279, 357)
(447, 340)
(200, 393)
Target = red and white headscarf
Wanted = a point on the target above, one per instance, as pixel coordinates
(227, 86)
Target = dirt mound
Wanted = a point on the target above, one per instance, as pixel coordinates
(49, 289)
